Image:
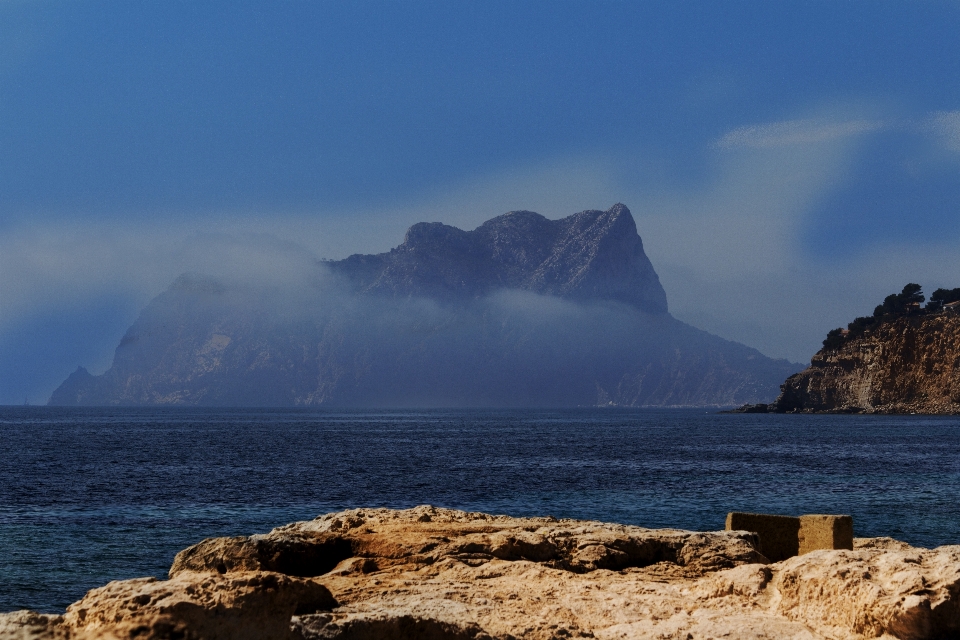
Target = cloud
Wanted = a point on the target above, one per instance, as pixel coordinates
(796, 132)
(946, 126)
(731, 251)
(56, 267)
(727, 243)
(51, 265)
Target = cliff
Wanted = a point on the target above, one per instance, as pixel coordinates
(908, 365)
(450, 575)
(591, 255)
(522, 311)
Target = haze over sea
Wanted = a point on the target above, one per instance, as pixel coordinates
(92, 495)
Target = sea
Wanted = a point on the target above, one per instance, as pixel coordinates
(93, 495)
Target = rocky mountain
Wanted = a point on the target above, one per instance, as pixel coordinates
(908, 365)
(592, 255)
(522, 311)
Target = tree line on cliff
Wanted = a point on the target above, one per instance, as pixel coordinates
(896, 305)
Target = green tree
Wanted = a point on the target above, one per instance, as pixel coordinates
(898, 304)
(894, 305)
(834, 339)
(941, 297)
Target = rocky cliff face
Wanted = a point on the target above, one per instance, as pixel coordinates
(909, 365)
(450, 575)
(592, 255)
(522, 311)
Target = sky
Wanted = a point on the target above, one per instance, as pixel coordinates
(788, 163)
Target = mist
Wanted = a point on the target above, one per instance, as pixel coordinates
(741, 250)
(299, 335)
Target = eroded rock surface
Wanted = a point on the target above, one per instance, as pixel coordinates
(29, 625)
(909, 365)
(379, 539)
(443, 574)
(243, 605)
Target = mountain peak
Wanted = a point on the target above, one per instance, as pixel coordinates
(591, 255)
(371, 345)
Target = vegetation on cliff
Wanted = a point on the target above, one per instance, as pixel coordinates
(894, 306)
(905, 358)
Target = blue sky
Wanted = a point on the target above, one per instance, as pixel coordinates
(789, 164)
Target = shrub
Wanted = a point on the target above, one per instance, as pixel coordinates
(834, 339)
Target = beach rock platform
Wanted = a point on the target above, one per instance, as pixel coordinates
(443, 574)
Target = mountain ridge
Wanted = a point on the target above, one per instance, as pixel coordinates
(591, 255)
(522, 311)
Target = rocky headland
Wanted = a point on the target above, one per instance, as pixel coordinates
(444, 574)
(522, 311)
(591, 255)
(903, 359)
(910, 365)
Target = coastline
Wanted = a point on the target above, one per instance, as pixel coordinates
(442, 573)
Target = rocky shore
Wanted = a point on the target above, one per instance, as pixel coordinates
(444, 574)
(911, 365)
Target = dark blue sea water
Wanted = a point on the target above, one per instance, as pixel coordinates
(92, 495)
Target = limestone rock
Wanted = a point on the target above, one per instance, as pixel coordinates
(427, 535)
(442, 574)
(29, 625)
(243, 605)
(908, 594)
(438, 573)
(908, 365)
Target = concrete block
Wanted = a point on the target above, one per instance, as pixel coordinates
(783, 537)
(779, 535)
(825, 532)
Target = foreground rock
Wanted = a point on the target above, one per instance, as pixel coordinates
(437, 573)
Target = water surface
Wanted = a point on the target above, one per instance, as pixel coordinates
(93, 495)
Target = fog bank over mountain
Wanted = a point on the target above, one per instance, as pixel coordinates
(522, 311)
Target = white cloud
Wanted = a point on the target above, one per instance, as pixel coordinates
(797, 132)
(56, 267)
(726, 249)
(946, 126)
(53, 265)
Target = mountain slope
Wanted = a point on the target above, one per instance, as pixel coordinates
(522, 311)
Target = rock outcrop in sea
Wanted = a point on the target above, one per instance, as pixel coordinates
(522, 311)
(443, 574)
